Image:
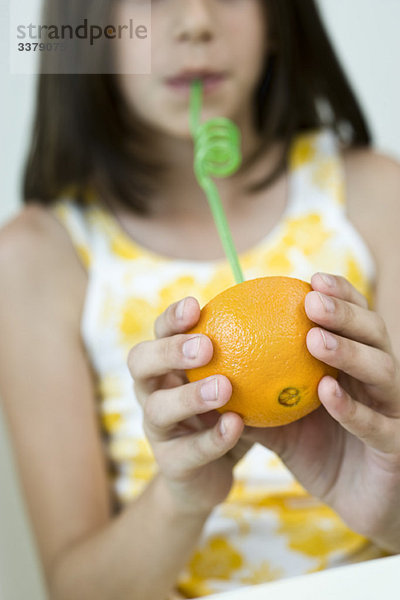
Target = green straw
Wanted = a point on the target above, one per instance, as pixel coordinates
(217, 153)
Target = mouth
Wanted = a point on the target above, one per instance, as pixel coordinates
(211, 80)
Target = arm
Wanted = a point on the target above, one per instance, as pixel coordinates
(137, 555)
(48, 395)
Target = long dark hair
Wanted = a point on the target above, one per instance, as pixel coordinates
(85, 137)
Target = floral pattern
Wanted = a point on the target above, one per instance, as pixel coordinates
(269, 527)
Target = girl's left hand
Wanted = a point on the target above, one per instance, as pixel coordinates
(349, 454)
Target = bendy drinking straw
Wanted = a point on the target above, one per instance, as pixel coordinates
(217, 153)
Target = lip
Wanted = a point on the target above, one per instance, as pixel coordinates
(182, 81)
(188, 75)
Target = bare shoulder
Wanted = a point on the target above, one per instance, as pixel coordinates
(373, 195)
(32, 228)
(35, 249)
(373, 180)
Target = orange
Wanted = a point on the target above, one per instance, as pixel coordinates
(258, 329)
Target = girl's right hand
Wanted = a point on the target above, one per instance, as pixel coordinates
(195, 447)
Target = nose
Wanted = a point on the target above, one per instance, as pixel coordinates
(194, 21)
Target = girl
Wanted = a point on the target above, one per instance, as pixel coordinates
(137, 488)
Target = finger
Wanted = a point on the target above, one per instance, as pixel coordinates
(369, 365)
(348, 319)
(190, 452)
(177, 318)
(376, 430)
(144, 387)
(163, 409)
(157, 357)
(338, 286)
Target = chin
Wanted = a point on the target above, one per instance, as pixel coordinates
(178, 130)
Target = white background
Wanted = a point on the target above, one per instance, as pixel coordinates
(365, 33)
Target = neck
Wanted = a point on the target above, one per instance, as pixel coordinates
(180, 195)
(179, 189)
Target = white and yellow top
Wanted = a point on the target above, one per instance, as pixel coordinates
(269, 527)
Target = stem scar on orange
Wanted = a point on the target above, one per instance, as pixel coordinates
(258, 329)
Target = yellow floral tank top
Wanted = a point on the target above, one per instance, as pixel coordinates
(269, 527)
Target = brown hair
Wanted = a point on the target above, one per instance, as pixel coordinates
(84, 136)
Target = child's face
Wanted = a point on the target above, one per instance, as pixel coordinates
(228, 36)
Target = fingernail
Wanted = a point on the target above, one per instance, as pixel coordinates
(328, 279)
(327, 302)
(180, 310)
(222, 426)
(209, 389)
(338, 390)
(191, 348)
(330, 342)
